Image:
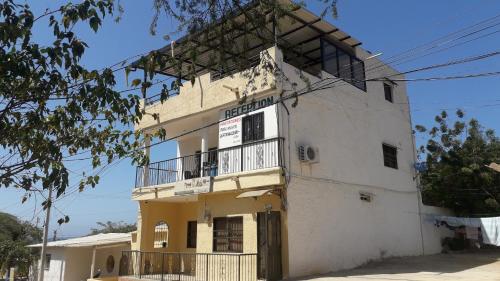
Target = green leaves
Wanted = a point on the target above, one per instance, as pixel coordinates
(54, 110)
(456, 157)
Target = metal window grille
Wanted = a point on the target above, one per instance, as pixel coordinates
(228, 234)
(390, 156)
(161, 235)
(253, 127)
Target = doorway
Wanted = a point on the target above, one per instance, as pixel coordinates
(269, 246)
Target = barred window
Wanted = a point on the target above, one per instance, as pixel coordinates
(390, 156)
(253, 127)
(228, 234)
(161, 235)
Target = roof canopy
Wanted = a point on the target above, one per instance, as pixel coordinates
(298, 34)
(90, 241)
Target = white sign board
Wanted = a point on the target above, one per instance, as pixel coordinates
(193, 186)
(230, 132)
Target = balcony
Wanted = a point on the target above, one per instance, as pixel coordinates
(252, 156)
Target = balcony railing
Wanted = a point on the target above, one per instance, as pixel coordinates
(189, 266)
(246, 157)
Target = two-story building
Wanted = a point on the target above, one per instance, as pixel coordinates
(313, 172)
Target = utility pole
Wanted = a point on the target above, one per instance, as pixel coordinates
(41, 269)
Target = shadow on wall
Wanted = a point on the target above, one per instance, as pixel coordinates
(441, 263)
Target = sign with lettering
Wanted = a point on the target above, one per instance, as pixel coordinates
(193, 186)
(247, 107)
(230, 132)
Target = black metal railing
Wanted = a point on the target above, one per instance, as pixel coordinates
(188, 266)
(246, 157)
(234, 68)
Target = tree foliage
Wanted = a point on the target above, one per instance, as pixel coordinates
(113, 227)
(54, 110)
(15, 235)
(456, 156)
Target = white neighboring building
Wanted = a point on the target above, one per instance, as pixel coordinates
(80, 258)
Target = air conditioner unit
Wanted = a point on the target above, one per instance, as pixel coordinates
(308, 154)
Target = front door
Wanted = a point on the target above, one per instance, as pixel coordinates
(269, 246)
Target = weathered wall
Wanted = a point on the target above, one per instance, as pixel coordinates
(329, 227)
(433, 235)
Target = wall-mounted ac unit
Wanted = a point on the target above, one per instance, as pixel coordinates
(308, 154)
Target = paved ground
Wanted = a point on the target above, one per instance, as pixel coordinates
(480, 266)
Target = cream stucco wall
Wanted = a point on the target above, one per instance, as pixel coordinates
(73, 263)
(203, 211)
(329, 227)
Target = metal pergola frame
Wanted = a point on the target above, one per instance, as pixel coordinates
(307, 22)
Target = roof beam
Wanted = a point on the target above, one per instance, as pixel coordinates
(299, 28)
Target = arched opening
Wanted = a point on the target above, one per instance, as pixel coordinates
(161, 235)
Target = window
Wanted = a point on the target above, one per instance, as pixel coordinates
(48, 257)
(342, 64)
(191, 234)
(358, 73)
(388, 93)
(253, 127)
(330, 62)
(228, 234)
(161, 235)
(345, 71)
(390, 156)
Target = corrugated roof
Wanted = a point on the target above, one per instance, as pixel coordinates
(90, 241)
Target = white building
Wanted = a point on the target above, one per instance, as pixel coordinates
(277, 187)
(82, 258)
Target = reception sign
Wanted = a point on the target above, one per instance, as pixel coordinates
(230, 128)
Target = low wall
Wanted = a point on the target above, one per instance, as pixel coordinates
(433, 235)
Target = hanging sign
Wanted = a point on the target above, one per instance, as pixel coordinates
(230, 132)
(193, 186)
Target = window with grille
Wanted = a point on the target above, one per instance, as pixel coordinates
(161, 235)
(390, 156)
(253, 127)
(191, 234)
(228, 234)
(388, 93)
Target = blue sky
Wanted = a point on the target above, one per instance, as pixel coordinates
(387, 26)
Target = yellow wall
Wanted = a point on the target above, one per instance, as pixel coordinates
(205, 95)
(176, 215)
